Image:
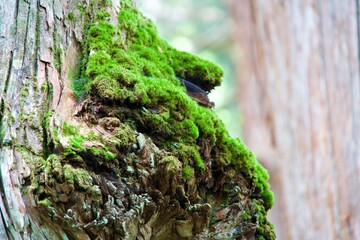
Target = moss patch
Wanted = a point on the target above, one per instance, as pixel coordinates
(131, 67)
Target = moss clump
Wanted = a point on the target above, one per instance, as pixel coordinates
(69, 130)
(71, 16)
(265, 229)
(124, 136)
(79, 176)
(45, 202)
(190, 153)
(58, 58)
(76, 143)
(102, 153)
(78, 80)
(172, 164)
(132, 67)
(187, 172)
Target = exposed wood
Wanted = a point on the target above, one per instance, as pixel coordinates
(299, 89)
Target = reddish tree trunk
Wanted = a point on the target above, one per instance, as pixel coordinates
(299, 90)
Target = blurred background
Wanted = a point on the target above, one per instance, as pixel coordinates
(204, 28)
(291, 91)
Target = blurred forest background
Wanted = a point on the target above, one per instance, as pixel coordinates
(292, 71)
(204, 28)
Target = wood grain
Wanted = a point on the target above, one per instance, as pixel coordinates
(299, 91)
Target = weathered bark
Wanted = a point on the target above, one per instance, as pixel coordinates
(299, 91)
(32, 32)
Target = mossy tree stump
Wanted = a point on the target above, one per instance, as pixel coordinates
(99, 139)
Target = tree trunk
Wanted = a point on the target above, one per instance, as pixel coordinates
(99, 139)
(32, 35)
(299, 92)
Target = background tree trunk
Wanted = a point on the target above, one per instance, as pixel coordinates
(299, 90)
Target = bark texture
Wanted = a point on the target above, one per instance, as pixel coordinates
(299, 91)
(31, 34)
(129, 156)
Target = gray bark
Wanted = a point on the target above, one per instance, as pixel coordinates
(31, 34)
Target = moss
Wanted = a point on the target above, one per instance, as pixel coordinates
(78, 80)
(77, 176)
(46, 124)
(132, 67)
(265, 229)
(124, 136)
(246, 215)
(56, 165)
(189, 152)
(24, 92)
(75, 139)
(71, 16)
(172, 164)
(69, 130)
(45, 202)
(92, 136)
(82, 9)
(102, 153)
(187, 172)
(76, 143)
(55, 136)
(57, 57)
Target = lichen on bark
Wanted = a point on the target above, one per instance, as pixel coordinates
(139, 158)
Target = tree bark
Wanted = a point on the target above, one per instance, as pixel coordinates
(299, 93)
(32, 32)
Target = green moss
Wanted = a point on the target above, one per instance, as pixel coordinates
(101, 35)
(76, 143)
(46, 125)
(190, 152)
(187, 172)
(45, 202)
(56, 165)
(82, 9)
(77, 176)
(125, 136)
(69, 130)
(78, 79)
(132, 66)
(44, 87)
(141, 70)
(103, 153)
(56, 135)
(24, 92)
(75, 139)
(204, 73)
(265, 229)
(57, 58)
(172, 164)
(71, 16)
(92, 136)
(246, 215)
